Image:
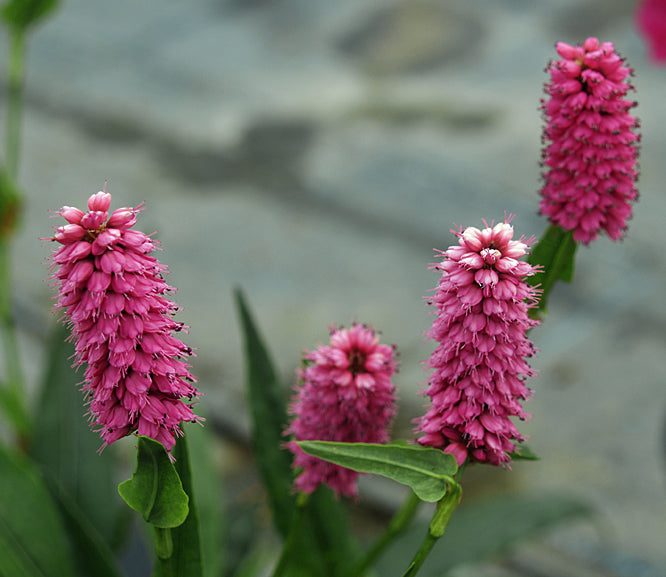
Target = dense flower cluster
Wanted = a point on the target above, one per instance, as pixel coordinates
(591, 146)
(112, 292)
(479, 366)
(344, 393)
(651, 23)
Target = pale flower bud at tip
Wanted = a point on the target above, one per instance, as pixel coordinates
(69, 233)
(100, 201)
(122, 218)
(72, 214)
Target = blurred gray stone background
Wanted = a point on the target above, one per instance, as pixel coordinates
(315, 153)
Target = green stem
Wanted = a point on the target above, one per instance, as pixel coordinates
(294, 531)
(164, 550)
(14, 103)
(163, 543)
(398, 524)
(440, 520)
(12, 395)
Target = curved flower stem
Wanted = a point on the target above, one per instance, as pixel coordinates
(294, 531)
(398, 524)
(440, 520)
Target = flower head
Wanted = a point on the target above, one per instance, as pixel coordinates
(479, 366)
(591, 146)
(112, 292)
(651, 23)
(344, 393)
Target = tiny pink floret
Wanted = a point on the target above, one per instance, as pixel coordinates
(344, 393)
(112, 292)
(591, 144)
(478, 368)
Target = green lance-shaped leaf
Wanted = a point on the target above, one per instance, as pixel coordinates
(32, 538)
(322, 543)
(523, 452)
(208, 489)
(92, 553)
(155, 489)
(19, 15)
(426, 470)
(269, 419)
(65, 447)
(555, 253)
(186, 556)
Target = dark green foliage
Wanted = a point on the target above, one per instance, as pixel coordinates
(555, 253)
(317, 536)
(208, 489)
(20, 15)
(524, 452)
(33, 542)
(187, 556)
(66, 449)
(269, 418)
(93, 556)
(155, 489)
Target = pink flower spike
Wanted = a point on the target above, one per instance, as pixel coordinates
(112, 291)
(479, 370)
(344, 393)
(591, 144)
(651, 24)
